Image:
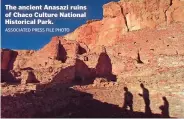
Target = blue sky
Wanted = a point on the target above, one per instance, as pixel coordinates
(36, 41)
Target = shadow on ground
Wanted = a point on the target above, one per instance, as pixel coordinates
(62, 101)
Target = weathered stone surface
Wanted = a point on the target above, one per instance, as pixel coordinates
(99, 81)
(87, 33)
(150, 43)
(111, 10)
(112, 30)
(144, 13)
(23, 56)
(64, 75)
(175, 12)
(128, 15)
(58, 49)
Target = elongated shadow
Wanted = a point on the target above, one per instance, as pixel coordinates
(128, 99)
(145, 96)
(165, 108)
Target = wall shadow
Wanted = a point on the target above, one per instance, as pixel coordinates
(6, 76)
(62, 54)
(104, 67)
(32, 78)
(81, 50)
(14, 56)
(59, 100)
(27, 68)
(8, 58)
(83, 74)
(139, 61)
